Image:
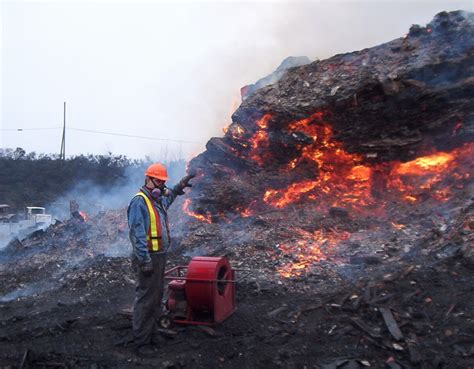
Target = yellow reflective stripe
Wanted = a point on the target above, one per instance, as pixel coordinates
(155, 245)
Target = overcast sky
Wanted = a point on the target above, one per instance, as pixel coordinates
(170, 70)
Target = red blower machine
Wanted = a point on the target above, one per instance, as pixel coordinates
(202, 293)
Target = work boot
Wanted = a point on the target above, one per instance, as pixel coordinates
(147, 351)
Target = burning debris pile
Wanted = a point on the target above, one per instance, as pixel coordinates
(378, 140)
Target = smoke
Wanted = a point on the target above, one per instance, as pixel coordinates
(172, 67)
(93, 198)
(159, 82)
(11, 231)
(28, 290)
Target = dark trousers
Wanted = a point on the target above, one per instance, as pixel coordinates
(148, 295)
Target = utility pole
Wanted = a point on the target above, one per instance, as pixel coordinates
(62, 154)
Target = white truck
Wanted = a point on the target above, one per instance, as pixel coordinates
(33, 218)
(6, 215)
(38, 216)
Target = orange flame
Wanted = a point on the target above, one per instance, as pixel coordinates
(203, 218)
(343, 180)
(435, 162)
(249, 211)
(410, 198)
(235, 130)
(427, 173)
(84, 216)
(398, 225)
(260, 141)
(310, 248)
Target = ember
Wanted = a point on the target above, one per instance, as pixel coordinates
(249, 211)
(398, 226)
(342, 179)
(308, 249)
(84, 216)
(260, 141)
(345, 181)
(433, 175)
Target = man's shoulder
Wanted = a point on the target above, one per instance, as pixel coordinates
(137, 199)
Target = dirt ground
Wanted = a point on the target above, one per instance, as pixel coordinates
(333, 321)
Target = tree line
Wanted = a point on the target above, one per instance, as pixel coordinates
(31, 179)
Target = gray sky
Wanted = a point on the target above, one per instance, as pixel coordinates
(165, 69)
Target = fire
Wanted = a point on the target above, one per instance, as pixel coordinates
(345, 181)
(236, 131)
(84, 216)
(436, 162)
(203, 218)
(410, 198)
(342, 178)
(260, 141)
(246, 213)
(428, 173)
(308, 249)
(398, 225)
(249, 211)
(293, 193)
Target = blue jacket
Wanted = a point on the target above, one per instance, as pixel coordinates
(139, 223)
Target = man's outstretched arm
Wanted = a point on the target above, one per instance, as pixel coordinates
(178, 190)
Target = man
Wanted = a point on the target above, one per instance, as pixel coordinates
(150, 238)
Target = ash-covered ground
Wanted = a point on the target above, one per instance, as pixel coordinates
(66, 302)
(346, 188)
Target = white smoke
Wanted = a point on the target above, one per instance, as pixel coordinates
(93, 198)
(175, 68)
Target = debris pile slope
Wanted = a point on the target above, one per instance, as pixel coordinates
(344, 145)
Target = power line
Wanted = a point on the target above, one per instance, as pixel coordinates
(29, 129)
(103, 133)
(134, 136)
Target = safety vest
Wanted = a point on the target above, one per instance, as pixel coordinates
(155, 232)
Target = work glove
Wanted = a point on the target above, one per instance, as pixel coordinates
(179, 188)
(147, 268)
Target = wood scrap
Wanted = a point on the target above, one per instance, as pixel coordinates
(391, 323)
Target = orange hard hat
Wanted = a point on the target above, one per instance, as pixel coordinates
(157, 171)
